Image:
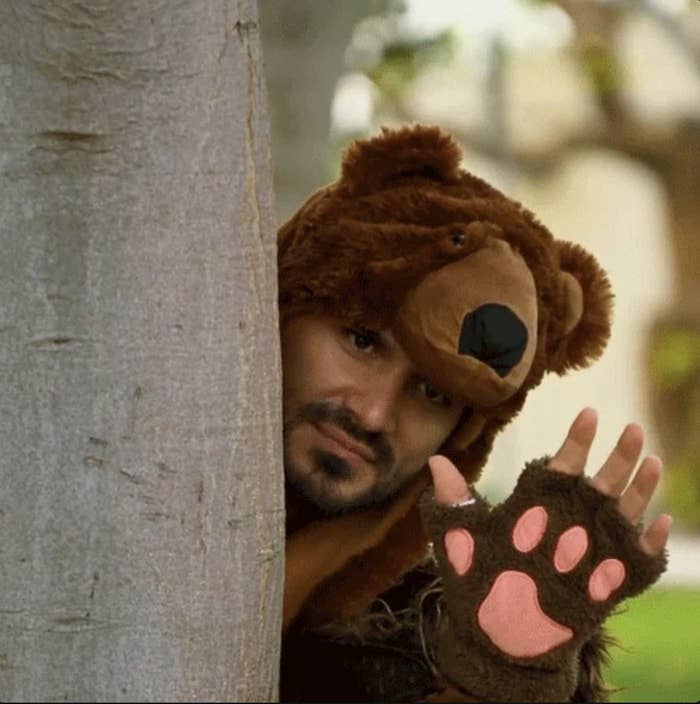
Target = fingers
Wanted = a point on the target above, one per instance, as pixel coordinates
(654, 538)
(450, 485)
(572, 455)
(615, 473)
(636, 497)
(451, 488)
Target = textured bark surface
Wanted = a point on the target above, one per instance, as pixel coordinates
(141, 498)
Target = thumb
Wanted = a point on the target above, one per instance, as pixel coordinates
(450, 485)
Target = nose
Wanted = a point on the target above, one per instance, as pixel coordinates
(495, 335)
(376, 402)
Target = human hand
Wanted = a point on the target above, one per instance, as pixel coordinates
(612, 479)
(529, 581)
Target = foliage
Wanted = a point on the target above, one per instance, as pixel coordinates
(604, 71)
(682, 490)
(660, 638)
(403, 60)
(675, 357)
(675, 375)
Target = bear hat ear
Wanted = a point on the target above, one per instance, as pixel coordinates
(580, 326)
(417, 151)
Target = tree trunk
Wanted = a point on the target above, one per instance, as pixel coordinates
(304, 43)
(141, 492)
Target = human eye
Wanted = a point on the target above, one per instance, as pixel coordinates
(362, 338)
(433, 395)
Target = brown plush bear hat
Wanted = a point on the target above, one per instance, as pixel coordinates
(480, 295)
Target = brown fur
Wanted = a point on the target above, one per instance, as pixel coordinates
(371, 165)
(468, 656)
(586, 342)
(350, 593)
(322, 549)
(400, 630)
(402, 209)
(357, 246)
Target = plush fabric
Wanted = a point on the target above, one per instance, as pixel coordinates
(389, 652)
(391, 244)
(478, 292)
(319, 570)
(516, 622)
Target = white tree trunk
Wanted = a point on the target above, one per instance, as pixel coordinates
(141, 503)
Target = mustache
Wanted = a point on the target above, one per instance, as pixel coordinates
(347, 421)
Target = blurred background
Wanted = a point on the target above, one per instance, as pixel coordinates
(588, 112)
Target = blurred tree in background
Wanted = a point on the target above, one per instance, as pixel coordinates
(303, 51)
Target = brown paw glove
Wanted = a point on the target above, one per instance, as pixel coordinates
(536, 577)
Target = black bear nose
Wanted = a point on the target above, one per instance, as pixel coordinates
(494, 335)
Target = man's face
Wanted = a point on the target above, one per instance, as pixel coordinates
(358, 419)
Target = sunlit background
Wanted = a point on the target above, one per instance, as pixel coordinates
(588, 112)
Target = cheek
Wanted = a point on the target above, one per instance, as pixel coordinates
(312, 367)
(422, 434)
(298, 442)
(301, 380)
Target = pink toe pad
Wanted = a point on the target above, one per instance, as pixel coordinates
(571, 547)
(459, 546)
(529, 528)
(606, 578)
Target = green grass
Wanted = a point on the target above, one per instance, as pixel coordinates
(659, 660)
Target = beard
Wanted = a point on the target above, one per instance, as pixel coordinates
(328, 482)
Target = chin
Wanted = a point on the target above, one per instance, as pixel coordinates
(329, 495)
(331, 485)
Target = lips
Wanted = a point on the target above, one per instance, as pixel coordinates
(344, 440)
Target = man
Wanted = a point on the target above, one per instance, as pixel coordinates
(418, 307)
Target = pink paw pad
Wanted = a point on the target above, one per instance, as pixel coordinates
(459, 546)
(571, 547)
(529, 528)
(511, 614)
(605, 579)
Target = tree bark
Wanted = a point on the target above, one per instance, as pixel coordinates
(141, 502)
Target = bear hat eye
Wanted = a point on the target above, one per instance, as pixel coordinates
(458, 239)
